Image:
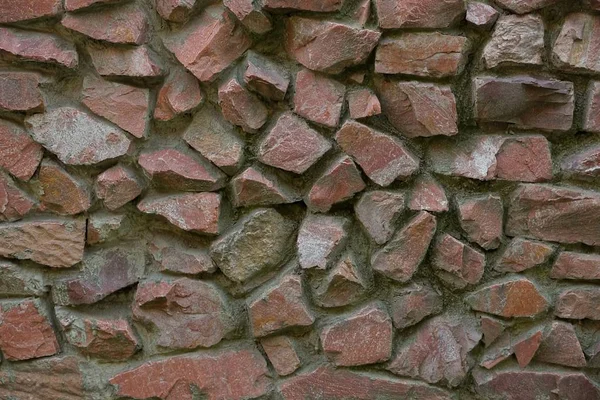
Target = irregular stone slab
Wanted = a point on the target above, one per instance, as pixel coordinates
(117, 186)
(456, 263)
(418, 109)
(523, 343)
(73, 5)
(174, 255)
(522, 254)
(514, 298)
(481, 15)
(18, 281)
(250, 15)
(179, 94)
(305, 5)
(328, 46)
(318, 98)
(104, 227)
(175, 10)
(578, 303)
(576, 46)
(57, 243)
(255, 187)
(11, 11)
(524, 102)
(62, 193)
(183, 314)
(526, 347)
(38, 46)
(209, 44)
(265, 77)
(136, 62)
(412, 304)
(257, 243)
(378, 212)
(241, 107)
(561, 346)
(401, 257)
(281, 353)
(14, 203)
(584, 165)
(363, 103)
(321, 239)
(19, 154)
(233, 374)
(346, 283)
(571, 265)
(481, 218)
(427, 54)
(394, 14)
(492, 329)
(591, 120)
(525, 6)
(21, 92)
(428, 195)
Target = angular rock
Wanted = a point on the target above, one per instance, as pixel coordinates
(209, 44)
(255, 187)
(175, 10)
(578, 303)
(235, 374)
(339, 182)
(279, 307)
(525, 6)
(491, 328)
(184, 313)
(522, 254)
(524, 344)
(378, 212)
(499, 351)
(61, 192)
(195, 212)
(362, 12)
(305, 5)
(394, 14)
(20, 91)
(427, 54)
(571, 265)
(328, 46)
(292, 145)
(576, 47)
(418, 109)
(103, 227)
(265, 77)
(117, 186)
(179, 94)
(363, 103)
(345, 284)
(561, 346)
(18, 281)
(14, 203)
(401, 257)
(241, 107)
(250, 15)
(515, 298)
(26, 331)
(74, 5)
(177, 257)
(526, 347)
(38, 47)
(481, 218)
(456, 263)
(259, 242)
(19, 154)
(584, 165)
(57, 243)
(412, 304)
(135, 62)
(481, 15)
(516, 40)
(321, 239)
(318, 98)
(591, 122)
(428, 195)
(281, 353)
(382, 157)
(11, 11)
(178, 170)
(524, 102)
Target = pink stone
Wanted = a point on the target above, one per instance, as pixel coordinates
(481, 218)
(175, 10)
(561, 346)
(179, 94)
(526, 347)
(74, 5)
(14, 203)
(117, 186)
(591, 121)
(456, 263)
(19, 91)
(136, 62)
(305, 5)
(241, 107)
(571, 265)
(576, 46)
(394, 14)
(250, 15)
(265, 77)
(62, 193)
(12, 11)
(346, 283)
(281, 353)
(481, 15)
(378, 212)
(318, 98)
(321, 239)
(363, 103)
(38, 46)
(179, 256)
(413, 303)
(584, 165)
(492, 329)
(428, 195)
(255, 187)
(525, 6)
(578, 303)
(522, 254)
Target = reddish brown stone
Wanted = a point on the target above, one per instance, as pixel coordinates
(19, 91)
(209, 44)
(175, 10)
(318, 98)
(428, 195)
(18, 281)
(241, 107)
(576, 47)
(401, 257)
(26, 331)
(177, 170)
(19, 155)
(38, 46)
(292, 145)
(176, 256)
(339, 182)
(429, 54)
(254, 187)
(591, 121)
(136, 62)
(363, 103)
(14, 203)
(232, 374)
(382, 157)
(305, 5)
(524, 344)
(11, 11)
(492, 329)
(250, 15)
(328, 46)
(578, 303)
(571, 265)
(412, 304)
(125, 106)
(57, 243)
(362, 12)
(345, 283)
(184, 314)
(179, 94)
(514, 298)
(584, 165)
(419, 13)
(378, 212)
(526, 347)
(522, 254)
(117, 186)
(281, 353)
(456, 263)
(481, 218)
(61, 192)
(561, 346)
(321, 239)
(278, 307)
(418, 109)
(265, 77)
(499, 351)
(74, 5)
(525, 6)
(103, 227)
(481, 15)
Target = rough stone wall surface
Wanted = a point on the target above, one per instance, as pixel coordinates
(300, 199)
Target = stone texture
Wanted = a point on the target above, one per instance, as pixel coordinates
(578, 303)
(328, 46)
(576, 46)
(180, 94)
(62, 193)
(11, 11)
(514, 298)
(19, 154)
(318, 98)
(394, 14)
(426, 54)
(378, 211)
(523, 343)
(481, 218)
(306, 5)
(117, 186)
(282, 354)
(591, 121)
(428, 195)
(583, 164)
(256, 187)
(321, 239)
(491, 328)
(571, 265)
(250, 15)
(105, 227)
(38, 47)
(346, 283)
(363, 103)
(418, 109)
(132, 62)
(481, 15)
(56, 243)
(14, 202)
(413, 303)
(74, 5)
(525, 6)
(175, 10)
(265, 77)
(241, 107)
(523, 254)
(561, 346)
(457, 264)
(20, 91)
(525, 348)
(383, 158)
(180, 257)
(18, 281)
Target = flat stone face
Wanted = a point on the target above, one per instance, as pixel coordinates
(525, 6)
(363, 103)
(481, 15)
(561, 346)
(62, 193)
(266, 77)
(321, 239)
(578, 303)
(424, 54)
(378, 212)
(457, 264)
(19, 154)
(11, 11)
(394, 14)
(522, 254)
(117, 186)
(281, 353)
(346, 283)
(14, 202)
(179, 94)
(241, 107)
(413, 303)
(17, 281)
(136, 62)
(576, 46)
(21, 92)
(481, 218)
(428, 195)
(591, 122)
(38, 47)
(583, 164)
(318, 98)
(571, 265)
(306, 5)
(181, 258)
(250, 15)
(254, 187)
(175, 10)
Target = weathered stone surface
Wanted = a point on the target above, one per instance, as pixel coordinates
(74, 5)
(175, 10)
(522, 254)
(117, 186)
(339, 182)
(378, 211)
(104, 271)
(345, 283)
(526, 347)
(412, 304)
(554, 213)
(576, 47)
(195, 212)
(62, 193)
(135, 62)
(372, 325)
(525, 6)
(57, 243)
(363, 103)
(522, 343)
(491, 328)
(209, 44)
(338, 384)
(428, 195)
(481, 15)
(516, 40)
(524, 102)
(20, 91)
(281, 353)
(305, 5)
(257, 243)
(279, 307)
(591, 121)
(18, 281)
(26, 331)
(241, 107)
(488, 157)
(179, 94)
(117, 24)
(103, 227)
(515, 298)
(571, 265)
(318, 98)
(382, 157)
(11, 11)
(38, 47)
(456, 263)
(584, 164)
(19, 154)
(427, 54)
(578, 303)
(265, 77)
(14, 202)
(401, 257)
(292, 145)
(184, 313)
(419, 14)
(418, 109)
(328, 46)
(481, 218)
(250, 15)
(103, 338)
(232, 374)
(321, 239)
(177, 170)
(215, 139)
(178, 257)
(561, 346)
(256, 187)
(438, 351)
